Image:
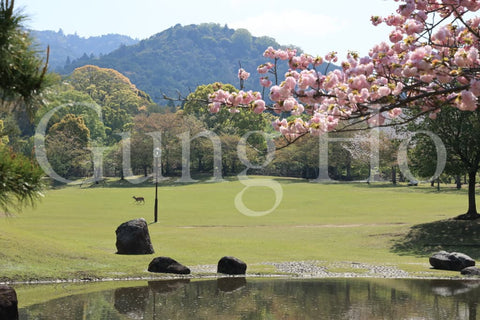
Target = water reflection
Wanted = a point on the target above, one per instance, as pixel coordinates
(237, 298)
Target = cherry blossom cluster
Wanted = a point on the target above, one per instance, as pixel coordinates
(236, 100)
(430, 59)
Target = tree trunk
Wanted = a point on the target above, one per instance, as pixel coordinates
(458, 182)
(394, 175)
(472, 213)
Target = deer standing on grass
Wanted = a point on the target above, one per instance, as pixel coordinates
(139, 199)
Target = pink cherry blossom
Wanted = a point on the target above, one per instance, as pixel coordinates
(265, 82)
(384, 91)
(264, 68)
(396, 36)
(376, 20)
(412, 26)
(259, 106)
(475, 87)
(215, 107)
(467, 101)
(407, 8)
(242, 74)
(290, 83)
(395, 112)
(278, 93)
(331, 57)
(288, 104)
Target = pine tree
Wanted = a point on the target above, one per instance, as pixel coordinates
(22, 77)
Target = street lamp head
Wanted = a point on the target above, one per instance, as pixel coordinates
(157, 152)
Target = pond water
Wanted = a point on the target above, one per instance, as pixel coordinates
(253, 298)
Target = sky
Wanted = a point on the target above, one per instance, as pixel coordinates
(316, 26)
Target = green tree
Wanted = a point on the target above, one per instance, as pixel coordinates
(22, 77)
(73, 102)
(119, 98)
(20, 180)
(170, 126)
(67, 145)
(22, 72)
(460, 133)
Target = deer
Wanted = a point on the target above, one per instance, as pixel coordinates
(139, 199)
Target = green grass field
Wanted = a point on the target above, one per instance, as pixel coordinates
(70, 234)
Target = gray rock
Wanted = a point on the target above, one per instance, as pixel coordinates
(470, 271)
(133, 238)
(8, 303)
(454, 261)
(167, 265)
(231, 265)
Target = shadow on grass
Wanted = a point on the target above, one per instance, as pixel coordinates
(142, 182)
(449, 235)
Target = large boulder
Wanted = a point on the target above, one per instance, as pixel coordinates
(8, 303)
(454, 261)
(133, 238)
(167, 265)
(231, 265)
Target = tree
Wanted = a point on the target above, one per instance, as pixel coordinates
(20, 180)
(460, 133)
(120, 99)
(169, 127)
(432, 62)
(22, 72)
(67, 145)
(73, 102)
(22, 77)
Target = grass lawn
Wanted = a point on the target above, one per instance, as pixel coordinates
(71, 233)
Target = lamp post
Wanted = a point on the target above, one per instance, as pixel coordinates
(156, 155)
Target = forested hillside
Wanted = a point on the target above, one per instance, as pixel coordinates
(66, 48)
(183, 57)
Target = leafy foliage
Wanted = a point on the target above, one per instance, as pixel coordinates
(20, 180)
(67, 143)
(21, 70)
(119, 98)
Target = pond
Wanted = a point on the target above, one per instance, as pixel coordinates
(256, 298)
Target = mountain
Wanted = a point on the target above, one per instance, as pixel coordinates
(181, 58)
(65, 48)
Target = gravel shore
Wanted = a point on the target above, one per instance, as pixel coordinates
(316, 269)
